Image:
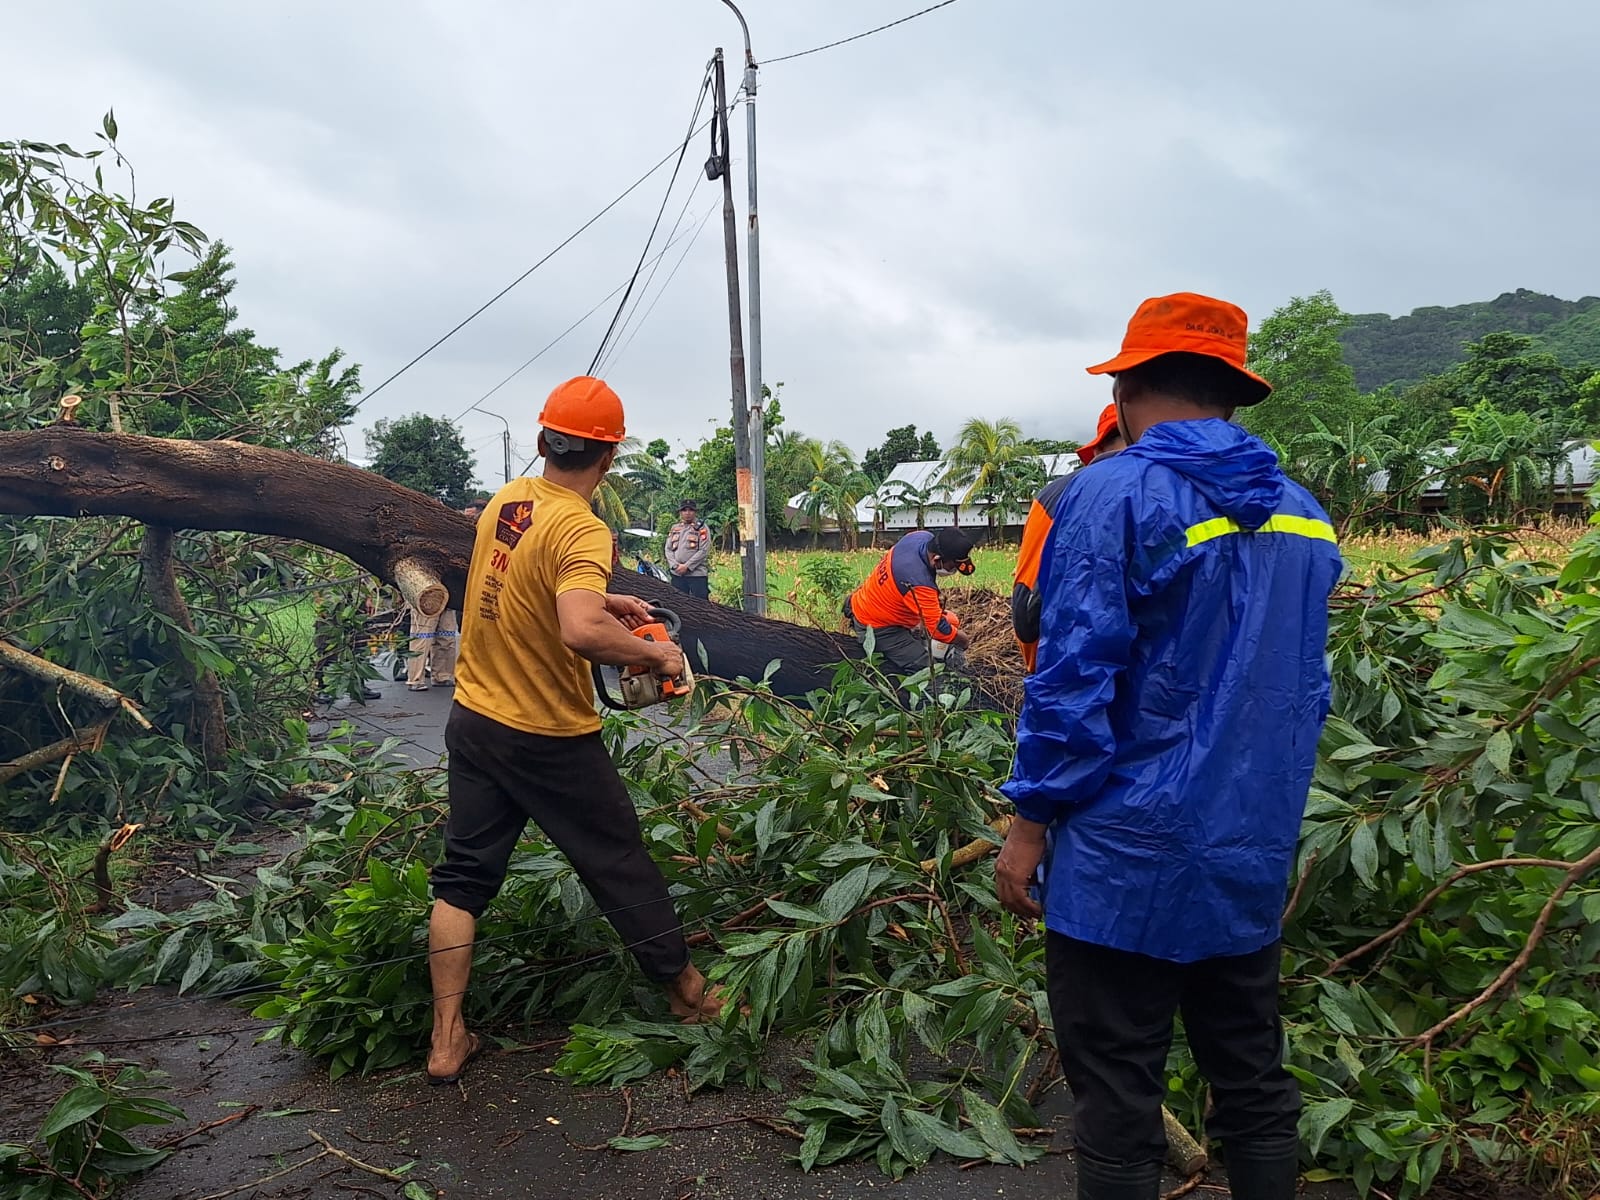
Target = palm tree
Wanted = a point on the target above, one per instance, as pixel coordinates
(897, 495)
(1339, 464)
(982, 451)
(610, 502)
(837, 485)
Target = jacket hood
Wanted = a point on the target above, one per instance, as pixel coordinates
(1231, 468)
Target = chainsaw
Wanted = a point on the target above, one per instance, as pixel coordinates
(640, 686)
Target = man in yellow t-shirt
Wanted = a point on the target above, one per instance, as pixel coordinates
(524, 737)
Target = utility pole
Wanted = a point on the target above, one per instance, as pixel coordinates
(757, 421)
(753, 564)
(505, 438)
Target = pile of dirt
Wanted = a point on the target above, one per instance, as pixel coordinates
(993, 658)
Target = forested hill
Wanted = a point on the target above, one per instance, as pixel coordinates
(1400, 350)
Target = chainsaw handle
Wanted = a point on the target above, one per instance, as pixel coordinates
(670, 619)
(600, 690)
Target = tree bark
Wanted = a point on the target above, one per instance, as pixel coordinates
(210, 712)
(67, 471)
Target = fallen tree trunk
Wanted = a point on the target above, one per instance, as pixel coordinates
(67, 471)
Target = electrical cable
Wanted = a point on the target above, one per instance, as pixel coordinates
(567, 241)
(551, 344)
(671, 275)
(699, 102)
(606, 357)
(857, 37)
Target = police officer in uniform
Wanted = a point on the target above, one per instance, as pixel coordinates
(689, 552)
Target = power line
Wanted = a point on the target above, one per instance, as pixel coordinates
(567, 241)
(671, 275)
(607, 357)
(699, 100)
(857, 37)
(551, 344)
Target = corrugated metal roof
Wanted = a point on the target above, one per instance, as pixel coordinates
(920, 476)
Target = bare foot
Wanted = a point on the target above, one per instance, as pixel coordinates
(693, 1000)
(452, 1050)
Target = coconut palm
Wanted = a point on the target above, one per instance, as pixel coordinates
(980, 456)
(610, 501)
(898, 495)
(837, 485)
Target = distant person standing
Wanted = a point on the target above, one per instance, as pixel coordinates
(434, 640)
(689, 552)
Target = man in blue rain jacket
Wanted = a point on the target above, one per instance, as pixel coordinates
(1166, 744)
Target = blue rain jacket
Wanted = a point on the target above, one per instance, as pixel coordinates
(1169, 732)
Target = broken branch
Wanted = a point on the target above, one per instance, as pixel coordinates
(87, 686)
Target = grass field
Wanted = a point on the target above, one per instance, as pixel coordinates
(791, 596)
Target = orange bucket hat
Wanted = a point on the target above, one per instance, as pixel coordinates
(1089, 451)
(1186, 321)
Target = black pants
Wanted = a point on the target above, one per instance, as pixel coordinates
(501, 777)
(1113, 1015)
(693, 585)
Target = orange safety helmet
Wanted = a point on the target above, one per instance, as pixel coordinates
(584, 408)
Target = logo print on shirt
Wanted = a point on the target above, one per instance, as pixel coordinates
(513, 522)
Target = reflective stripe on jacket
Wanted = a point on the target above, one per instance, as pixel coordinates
(902, 591)
(1170, 729)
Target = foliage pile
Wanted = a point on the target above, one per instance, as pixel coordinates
(1440, 949)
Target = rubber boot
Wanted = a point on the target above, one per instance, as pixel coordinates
(1263, 1170)
(1099, 1180)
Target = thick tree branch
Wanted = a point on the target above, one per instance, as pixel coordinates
(88, 739)
(156, 558)
(67, 471)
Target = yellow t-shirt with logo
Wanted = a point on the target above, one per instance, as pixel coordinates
(536, 540)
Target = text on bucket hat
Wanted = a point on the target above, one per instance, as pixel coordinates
(1191, 323)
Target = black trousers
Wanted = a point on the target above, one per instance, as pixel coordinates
(1113, 1014)
(500, 778)
(693, 585)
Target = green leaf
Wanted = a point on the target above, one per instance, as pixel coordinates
(77, 1105)
(1356, 751)
(957, 1143)
(1559, 771)
(199, 964)
(109, 124)
(647, 1141)
(136, 918)
(812, 1145)
(992, 1128)
(764, 818)
(1364, 853)
(844, 894)
(1498, 751)
(415, 1191)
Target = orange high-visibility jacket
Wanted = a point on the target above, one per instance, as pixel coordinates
(1024, 591)
(901, 591)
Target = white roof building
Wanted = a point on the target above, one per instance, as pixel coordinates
(909, 478)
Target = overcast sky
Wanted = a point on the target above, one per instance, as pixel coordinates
(957, 214)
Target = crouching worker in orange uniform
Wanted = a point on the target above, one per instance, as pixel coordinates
(524, 736)
(1027, 586)
(899, 602)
